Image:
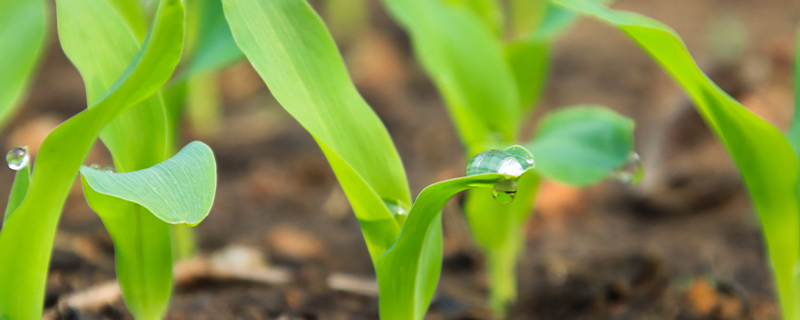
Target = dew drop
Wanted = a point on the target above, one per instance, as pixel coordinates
(504, 191)
(631, 172)
(94, 166)
(513, 161)
(109, 170)
(18, 158)
(395, 208)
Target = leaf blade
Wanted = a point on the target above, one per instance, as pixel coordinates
(465, 59)
(288, 45)
(23, 26)
(25, 251)
(408, 272)
(178, 190)
(757, 146)
(581, 145)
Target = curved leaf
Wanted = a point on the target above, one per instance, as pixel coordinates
(581, 145)
(114, 30)
(178, 190)
(22, 33)
(27, 237)
(763, 154)
(112, 44)
(288, 45)
(409, 271)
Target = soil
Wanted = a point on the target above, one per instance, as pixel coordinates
(684, 244)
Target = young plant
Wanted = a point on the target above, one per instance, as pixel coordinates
(144, 195)
(291, 49)
(22, 33)
(766, 158)
(490, 86)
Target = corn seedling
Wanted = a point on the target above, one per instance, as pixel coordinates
(766, 158)
(291, 49)
(23, 25)
(490, 86)
(123, 66)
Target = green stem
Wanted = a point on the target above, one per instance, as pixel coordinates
(498, 228)
(184, 242)
(502, 270)
(203, 104)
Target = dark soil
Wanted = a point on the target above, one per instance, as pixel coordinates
(684, 244)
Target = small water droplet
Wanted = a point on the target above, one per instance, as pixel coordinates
(109, 170)
(395, 208)
(94, 166)
(631, 172)
(504, 191)
(18, 158)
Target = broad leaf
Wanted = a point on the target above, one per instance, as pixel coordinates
(581, 145)
(22, 34)
(178, 190)
(763, 154)
(288, 45)
(26, 239)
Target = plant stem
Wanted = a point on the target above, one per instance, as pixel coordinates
(502, 267)
(184, 242)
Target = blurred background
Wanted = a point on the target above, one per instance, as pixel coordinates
(683, 244)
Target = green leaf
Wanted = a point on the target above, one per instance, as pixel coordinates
(178, 190)
(26, 239)
(288, 45)
(526, 15)
(490, 12)
(212, 45)
(114, 30)
(763, 154)
(114, 44)
(23, 25)
(143, 259)
(581, 145)
(529, 61)
(465, 59)
(409, 271)
(19, 189)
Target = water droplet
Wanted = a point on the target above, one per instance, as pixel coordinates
(18, 158)
(631, 172)
(395, 207)
(109, 170)
(513, 161)
(504, 191)
(94, 166)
